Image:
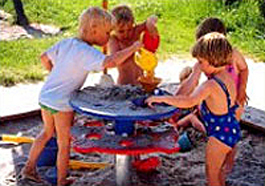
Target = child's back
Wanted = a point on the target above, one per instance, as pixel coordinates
(69, 71)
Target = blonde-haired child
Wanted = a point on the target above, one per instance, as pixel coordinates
(238, 68)
(69, 62)
(217, 99)
(125, 33)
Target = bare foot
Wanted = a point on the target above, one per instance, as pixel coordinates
(31, 174)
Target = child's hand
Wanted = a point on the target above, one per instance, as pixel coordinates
(152, 20)
(151, 25)
(153, 99)
(137, 45)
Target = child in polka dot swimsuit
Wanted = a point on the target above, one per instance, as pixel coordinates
(216, 97)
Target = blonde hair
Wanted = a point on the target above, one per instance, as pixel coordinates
(213, 47)
(123, 14)
(185, 73)
(93, 17)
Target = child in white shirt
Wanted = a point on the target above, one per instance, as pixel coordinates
(69, 63)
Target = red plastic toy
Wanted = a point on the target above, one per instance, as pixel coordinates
(151, 43)
(147, 165)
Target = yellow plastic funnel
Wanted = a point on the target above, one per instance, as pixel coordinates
(146, 60)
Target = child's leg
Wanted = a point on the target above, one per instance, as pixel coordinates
(63, 122)
(29, 171)
(194, 120)
(185, 121)
(228, 164)
(197, 124)
(216, 154)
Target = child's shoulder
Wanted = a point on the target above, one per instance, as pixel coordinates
(139, 28)
(114, 42)
(65, 42)
(76, 45)
(209, 85)
(238, 59)
(113, 38)
(236, 54)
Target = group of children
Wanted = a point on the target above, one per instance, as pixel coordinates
(218, 99)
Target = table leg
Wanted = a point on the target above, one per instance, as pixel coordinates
(123, 166)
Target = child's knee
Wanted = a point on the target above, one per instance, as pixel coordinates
(185, 73)
(63, 143)
(193, 117)
(46, 136)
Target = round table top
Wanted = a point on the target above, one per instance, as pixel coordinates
(117, 103)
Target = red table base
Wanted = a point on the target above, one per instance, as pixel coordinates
(147, 139)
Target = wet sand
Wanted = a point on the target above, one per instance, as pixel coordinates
(176, 169)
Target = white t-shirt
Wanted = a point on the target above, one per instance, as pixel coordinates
(72, 60)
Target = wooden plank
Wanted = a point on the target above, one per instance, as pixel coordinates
(20, 115)
(254, 118)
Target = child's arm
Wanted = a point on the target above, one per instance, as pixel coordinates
(49, 57)
(188, 85)
(120, 57)
(184, 122)
(185, 101)
(151, 25)
(194, 120)
(113, 45)
(243, 76)
(139, 28)
(46, 62)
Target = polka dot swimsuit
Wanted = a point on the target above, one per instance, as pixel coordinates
(223, 127)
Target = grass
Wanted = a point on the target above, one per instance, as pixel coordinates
(20, 60)
(177, 24)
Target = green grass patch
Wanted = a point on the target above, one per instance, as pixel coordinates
(178, 20)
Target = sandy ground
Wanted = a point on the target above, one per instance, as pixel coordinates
(176, 169)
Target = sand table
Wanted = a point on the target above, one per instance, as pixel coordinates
(115, 101)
